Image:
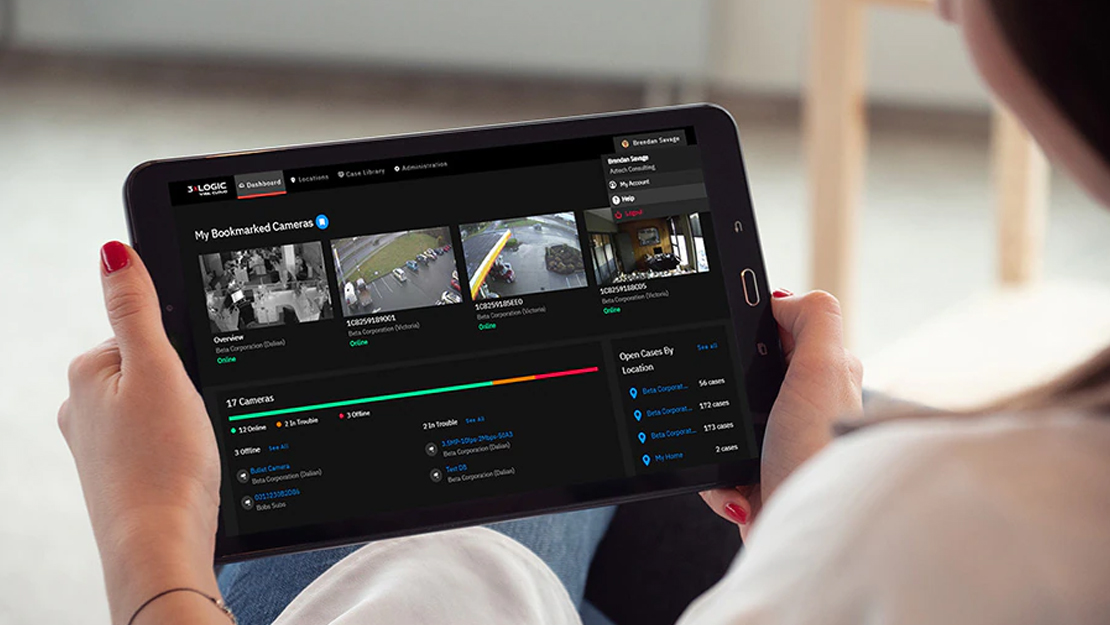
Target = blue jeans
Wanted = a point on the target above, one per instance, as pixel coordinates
(258, 590)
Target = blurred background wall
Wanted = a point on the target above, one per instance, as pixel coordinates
(751, 45)
(90, 88)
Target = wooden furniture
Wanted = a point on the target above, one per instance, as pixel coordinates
(836, 136)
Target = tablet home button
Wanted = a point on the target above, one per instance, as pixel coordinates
(751, 287)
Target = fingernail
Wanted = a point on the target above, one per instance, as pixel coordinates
(736, 513)
(781, 293)
(113, 256)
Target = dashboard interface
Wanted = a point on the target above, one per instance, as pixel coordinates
(409, 334)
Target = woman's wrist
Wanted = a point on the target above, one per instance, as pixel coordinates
(152, 551)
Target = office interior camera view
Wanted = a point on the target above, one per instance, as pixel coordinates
(265, 286)
(645, 249)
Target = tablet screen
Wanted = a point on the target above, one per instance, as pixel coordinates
(409, 334)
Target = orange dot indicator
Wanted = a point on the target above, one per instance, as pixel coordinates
(278, 424)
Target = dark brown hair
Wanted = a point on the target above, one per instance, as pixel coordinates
(1065, 45)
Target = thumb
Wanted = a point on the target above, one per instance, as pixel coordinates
(132, 303)
(811, 324)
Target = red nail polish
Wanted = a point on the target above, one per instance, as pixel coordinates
(113, 256)
(781, 293)
(736, 513)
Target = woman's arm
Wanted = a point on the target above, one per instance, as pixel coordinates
(156, 554)
(146, 455)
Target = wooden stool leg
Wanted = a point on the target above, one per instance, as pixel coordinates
(1021, 176)
(836, 135)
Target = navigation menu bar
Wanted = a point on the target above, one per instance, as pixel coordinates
(273, 183)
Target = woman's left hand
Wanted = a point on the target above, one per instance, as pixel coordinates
(823, 383)
(144, 447)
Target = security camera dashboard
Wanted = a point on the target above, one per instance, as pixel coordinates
(426, 338)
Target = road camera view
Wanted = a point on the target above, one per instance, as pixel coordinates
(523, 255)
(396, 271)
(265, 286)
(645, 249)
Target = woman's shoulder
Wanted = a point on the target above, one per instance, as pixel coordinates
(994, 519)
(916, 448)
(1028, 467)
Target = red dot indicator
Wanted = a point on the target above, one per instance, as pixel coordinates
(341, 415)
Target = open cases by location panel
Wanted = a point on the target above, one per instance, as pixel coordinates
(427, 331)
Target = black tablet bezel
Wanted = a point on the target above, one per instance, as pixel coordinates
(152, 230)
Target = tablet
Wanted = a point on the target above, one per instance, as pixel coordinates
(419, 332)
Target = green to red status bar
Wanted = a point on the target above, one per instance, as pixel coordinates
(418, 393)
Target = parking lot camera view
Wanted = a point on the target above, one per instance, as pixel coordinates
(523, 255)
(645, 249)
(396, 271)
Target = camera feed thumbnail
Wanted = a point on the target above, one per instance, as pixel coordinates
(396, 271)
(265, 286)
(645, 249)
(523, 255)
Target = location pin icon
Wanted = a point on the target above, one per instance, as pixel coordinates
(642, 437)
(632, 392)
(639, 415)
(646, 459)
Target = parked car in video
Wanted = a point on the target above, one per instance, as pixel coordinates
(422, 259)
(449, 297)
(446, 248)
(400, 275)
(430, 253)
(411, 264)
(502, 271)
(365, 298)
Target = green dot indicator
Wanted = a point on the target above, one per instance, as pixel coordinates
(232, 430)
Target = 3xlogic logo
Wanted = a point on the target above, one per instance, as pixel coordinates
(207, 189)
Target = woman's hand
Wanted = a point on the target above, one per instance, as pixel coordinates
(823, 383)
(144, 448)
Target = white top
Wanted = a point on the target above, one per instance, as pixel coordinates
(998, 520)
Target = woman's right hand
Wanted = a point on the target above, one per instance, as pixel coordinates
(145, 452)
(823, 384)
